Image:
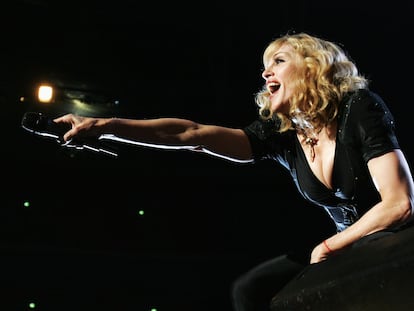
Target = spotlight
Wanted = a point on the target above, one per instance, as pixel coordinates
(45, 93)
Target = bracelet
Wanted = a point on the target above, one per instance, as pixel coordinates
(327, 247)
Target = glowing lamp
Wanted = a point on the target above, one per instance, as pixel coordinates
(45, 93)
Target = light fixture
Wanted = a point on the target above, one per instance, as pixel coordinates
(45, 93)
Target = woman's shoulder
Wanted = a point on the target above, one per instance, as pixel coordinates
(364, 103)
(364, 99)
(263, 128)
(364, 111)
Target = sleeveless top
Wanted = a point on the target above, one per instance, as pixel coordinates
(365, 130)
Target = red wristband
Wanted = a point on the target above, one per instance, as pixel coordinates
(327, 247)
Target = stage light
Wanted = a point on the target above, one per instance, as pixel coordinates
(45, 93)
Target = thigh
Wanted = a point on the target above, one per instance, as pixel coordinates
(267, 278)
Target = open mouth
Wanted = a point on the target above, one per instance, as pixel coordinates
(273, 87)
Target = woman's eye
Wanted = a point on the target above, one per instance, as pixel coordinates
(278, 60)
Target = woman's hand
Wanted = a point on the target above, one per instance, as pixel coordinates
(320, 253)
(81, 126)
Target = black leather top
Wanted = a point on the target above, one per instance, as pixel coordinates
(365, 130)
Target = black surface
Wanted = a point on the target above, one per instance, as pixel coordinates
(374, 276)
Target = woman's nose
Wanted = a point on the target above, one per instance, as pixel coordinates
(266, 74)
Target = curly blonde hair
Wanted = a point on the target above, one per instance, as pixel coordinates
(330, 74)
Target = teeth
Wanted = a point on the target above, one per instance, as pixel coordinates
(273, 86)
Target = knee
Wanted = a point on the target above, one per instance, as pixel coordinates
(240, 290)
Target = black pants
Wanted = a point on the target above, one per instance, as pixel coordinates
(254, 290)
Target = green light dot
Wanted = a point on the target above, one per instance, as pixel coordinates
(153, 309)
(26, 204)
(141, 213)
(32, 305)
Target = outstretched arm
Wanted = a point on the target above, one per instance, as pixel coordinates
(230, 143)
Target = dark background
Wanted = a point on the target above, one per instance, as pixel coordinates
(82, 243)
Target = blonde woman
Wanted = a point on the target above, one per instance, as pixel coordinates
(319, 120)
